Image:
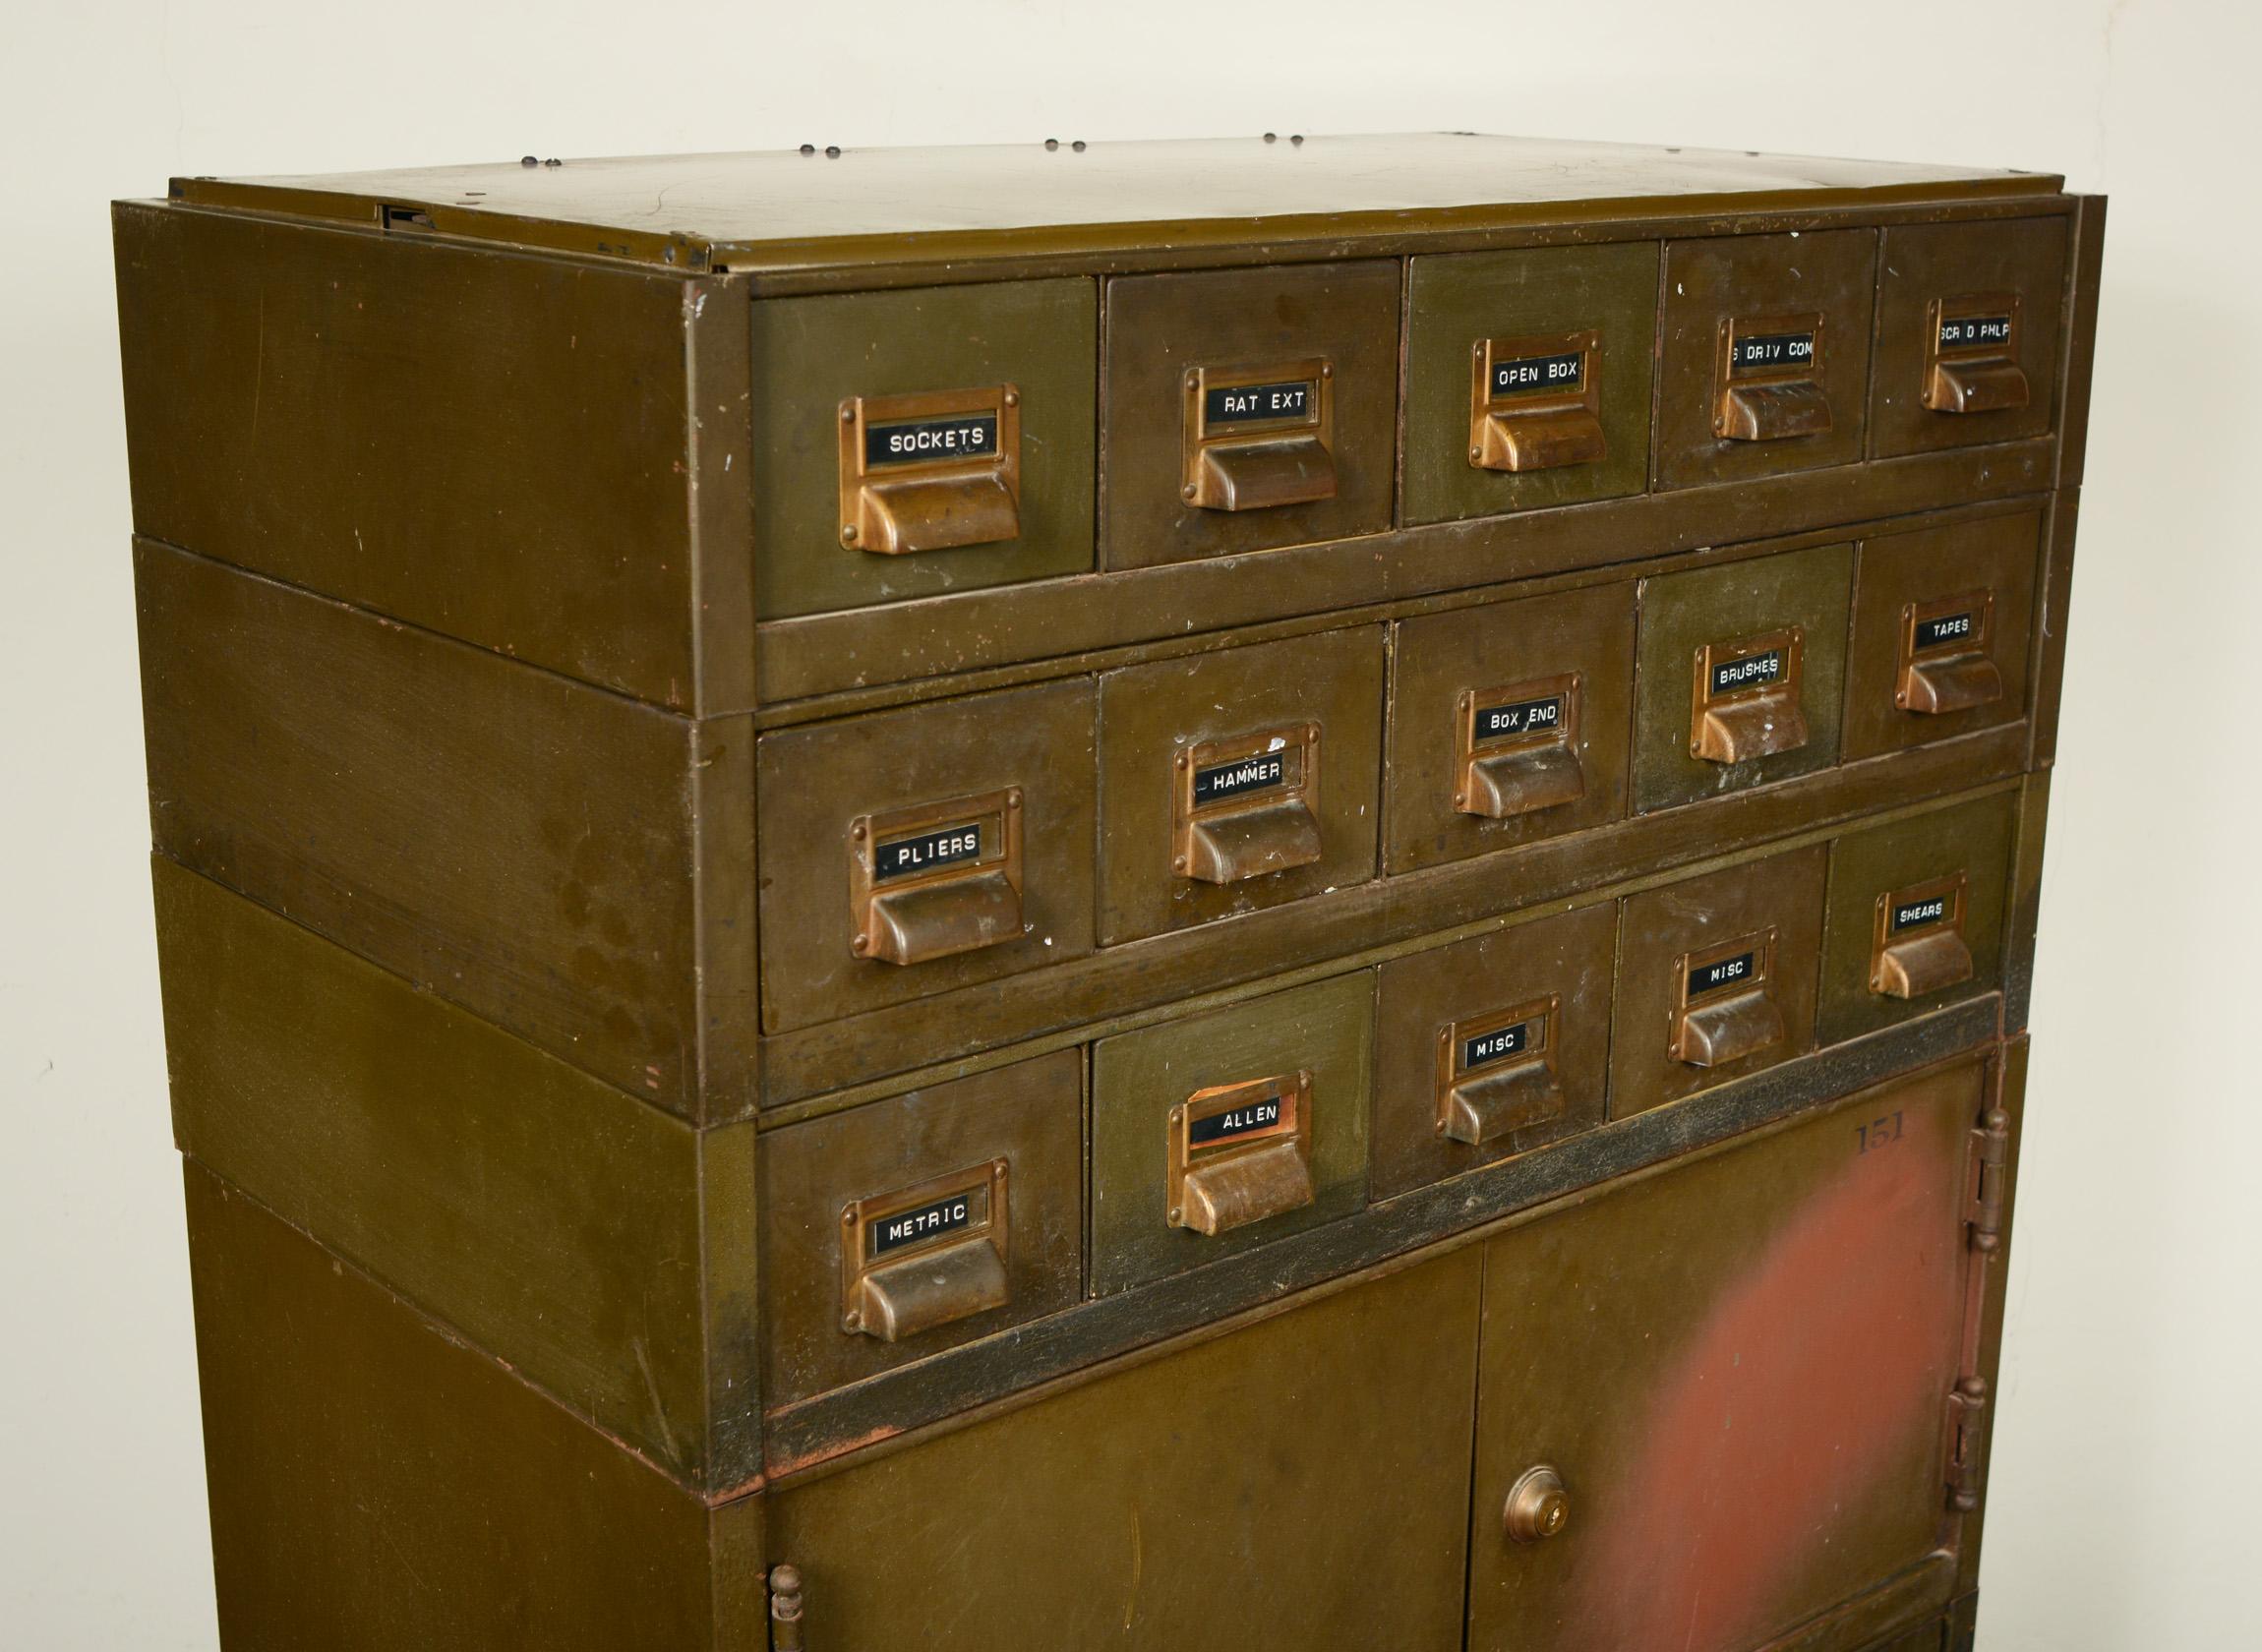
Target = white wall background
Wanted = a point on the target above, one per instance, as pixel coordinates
(2124, 1506)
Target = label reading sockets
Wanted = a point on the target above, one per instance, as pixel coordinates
(1536, 375)
(946, 1215)
(1966, 332)
(1240, 404)
(1916, 915)
(1235, 1122)
(1267, 771)
(960, 436)
(1517, 718)
(1945, 629)
(1482, 1049)
(1770, 352)
(1752, 671)
(1725, 971)
(926, 851)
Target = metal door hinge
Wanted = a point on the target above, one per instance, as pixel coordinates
(1990, 1160)
(1967, 1443)
(1968, 1400)
(785, 1609)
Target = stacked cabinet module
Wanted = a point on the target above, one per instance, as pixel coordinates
(1181, 895)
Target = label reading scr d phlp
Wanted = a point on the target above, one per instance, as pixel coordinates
(1964, 333)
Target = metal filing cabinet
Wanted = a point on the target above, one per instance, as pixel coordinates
(1181, 895)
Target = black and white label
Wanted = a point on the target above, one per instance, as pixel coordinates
(935, 1217)
(1970, 332)
(1482, 1049)
(1240, 404)
(924, 852)
(1536, 375)
(1248, 1119)
(1918, 914)
(960, 436)
(1947, 628)
(1770, 352)
(1725, 971)
(1263, 771)
(1515, 719)
(1752, 671)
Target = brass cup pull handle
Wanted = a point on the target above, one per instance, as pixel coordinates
(1538, 1505)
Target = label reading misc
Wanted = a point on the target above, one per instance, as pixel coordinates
(1517, 718)
(960, 436)
(1482, 1049)
(1916, 915)
(1948, 627)
(1236, 404)
(1532, 375)
(1752, 671)
(1265, 771)
(1725, 971)
(946, 1215)
(1763, 352)
(1245, 1120)
(924, 852)
(1964, 333)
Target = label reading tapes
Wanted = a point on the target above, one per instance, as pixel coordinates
(1918, 914)
(1725, 971)
(1235, 1122)
(1267, 771)
(1482, 1049)
(1770, 352)
(1517, 719)
(1947, 628)
(927, 851)
(1967, 333)
(1536, 375)
(960, 436)
(1753, 671)
(937, 1216)
(1240, 404)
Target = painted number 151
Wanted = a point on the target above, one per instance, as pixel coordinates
(1878, 1132)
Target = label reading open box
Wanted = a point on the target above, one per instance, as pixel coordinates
(937, 879)
(1240, 1153)
(925, 1256)
(1918, 946)
(1537, 403)
(1768, 381)
(1496, 1073)
(1748, 698)
(932, 471)
(1970, 355)
(1724, 1002)
(1257, 437)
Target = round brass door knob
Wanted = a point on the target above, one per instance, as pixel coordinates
(1537, 1505)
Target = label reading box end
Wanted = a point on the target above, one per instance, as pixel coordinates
(1517, 719)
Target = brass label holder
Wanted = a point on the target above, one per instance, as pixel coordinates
(1918, 946)
(1970, 355)
(1259, 436)
(1518, 747)
(1747, 699)
(925, 1256)
(1246, 807)
(1240, 1153)
(931, 471)
(1944, 661)
(1769, 379)
(1496, 1073)
(936, 879)
(1535, 403)
(1724, 1002)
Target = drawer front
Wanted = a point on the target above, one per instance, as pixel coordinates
(1942, 623)
(902, 1227)
(1915, 916)
(1738, 1371)
(909, 444)
(1968, 327)
(1490, 1047)
(1528, 379)
(1237, 781)
(1742, 675)
(911, 851)
(1765, 355)
(1204, 1502)
(1508, 724)
(1715, 978)
(1253, 1118)
(1247, 409)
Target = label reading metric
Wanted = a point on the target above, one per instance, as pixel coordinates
(1238, 404)
(1535, 375)
(926, 851)
(922, 1222)
(960, 436)
(1770, 352)
(1726, 971)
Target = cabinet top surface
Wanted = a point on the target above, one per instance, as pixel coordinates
(787, 208)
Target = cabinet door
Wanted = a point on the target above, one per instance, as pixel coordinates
(1739, 1368)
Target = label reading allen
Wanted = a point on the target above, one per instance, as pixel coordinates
(1767, 352)
(1964, 333)
(1235, 1122)
(1532, 375)
(1753, 671)
(1710, 977)
(962, 436)
(1948, 627)
(1265, 772)
(924, 1222)
(924, 852)
(1517, 718)
(1499, 1044)
(1236, 404)
(1915, 914)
